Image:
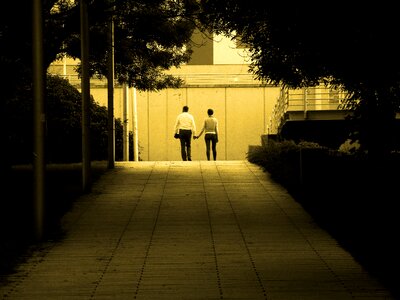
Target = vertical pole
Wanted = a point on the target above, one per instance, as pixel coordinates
(38, 119)
(85, 82)
(226, 123)
(65, 67)
(305, 103)
(110, 89)
(301, 173)
(265, 121)
(125, 138)
(135, 128)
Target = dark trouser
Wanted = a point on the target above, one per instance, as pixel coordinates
(211, 139)
(185, 138)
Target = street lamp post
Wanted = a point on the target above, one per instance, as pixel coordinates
(85, 82)
(110, 89)
(39, 118)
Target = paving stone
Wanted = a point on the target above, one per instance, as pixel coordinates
(190, 230)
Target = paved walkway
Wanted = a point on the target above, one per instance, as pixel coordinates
(191, 230)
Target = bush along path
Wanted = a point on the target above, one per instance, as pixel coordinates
(355, 203)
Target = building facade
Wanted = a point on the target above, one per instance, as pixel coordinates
(217, 77)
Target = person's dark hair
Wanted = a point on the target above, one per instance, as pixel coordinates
(210, 112)
(185, 108)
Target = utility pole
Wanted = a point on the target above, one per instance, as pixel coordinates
(39, 119)
(85, 82)
(110, 89)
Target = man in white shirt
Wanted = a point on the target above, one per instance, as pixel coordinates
(185, 127)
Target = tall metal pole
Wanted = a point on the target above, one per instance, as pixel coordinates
(85, 82)
(135, 128)
(39, 119)
(110, 84)
(125, 138)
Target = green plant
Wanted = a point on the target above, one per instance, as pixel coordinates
(63, 133)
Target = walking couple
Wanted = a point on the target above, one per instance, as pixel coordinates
(185, 127)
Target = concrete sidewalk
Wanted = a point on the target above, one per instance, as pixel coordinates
(191, 230)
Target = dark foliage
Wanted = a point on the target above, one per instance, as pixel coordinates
(303, 44)
(63, 137)
(347, 195)
(150, 37)
(63, 181)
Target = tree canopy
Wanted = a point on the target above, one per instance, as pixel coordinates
(298, 44)
(353, 47)
(151, 36)
(301, 43)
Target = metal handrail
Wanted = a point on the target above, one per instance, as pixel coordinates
(319, 98)
(198, 79)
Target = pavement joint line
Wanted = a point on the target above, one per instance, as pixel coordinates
(228, 197)
(221, 295)
(303, 235)
(190, 230)
(136, 293)
(98, 282)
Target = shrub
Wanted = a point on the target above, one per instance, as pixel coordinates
(280, 159)
(356, 203)
(63, 131)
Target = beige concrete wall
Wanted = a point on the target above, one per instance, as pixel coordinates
(242, 112)
(242, 106)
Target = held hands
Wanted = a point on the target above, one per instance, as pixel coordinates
(195, 137)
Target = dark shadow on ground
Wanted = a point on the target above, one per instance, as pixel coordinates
(362, 214)
(63, 186)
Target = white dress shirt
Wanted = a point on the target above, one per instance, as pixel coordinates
(185, 121)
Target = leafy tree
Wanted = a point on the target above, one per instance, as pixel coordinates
(351, 47)
(150, 37)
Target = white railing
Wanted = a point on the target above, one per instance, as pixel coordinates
(320, 98)
(203, 79)
(198, 79)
